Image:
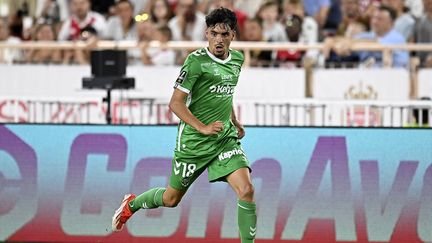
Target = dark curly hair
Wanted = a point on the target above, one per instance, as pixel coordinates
(222, 16)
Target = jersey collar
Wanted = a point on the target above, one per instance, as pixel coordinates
(218, 59)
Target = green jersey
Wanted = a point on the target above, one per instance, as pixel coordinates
(210, 83)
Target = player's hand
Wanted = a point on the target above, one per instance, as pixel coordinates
(212, 128)
(240, 131)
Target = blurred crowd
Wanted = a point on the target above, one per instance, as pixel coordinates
(338, 24)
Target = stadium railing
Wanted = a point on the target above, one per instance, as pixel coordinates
(301, 112)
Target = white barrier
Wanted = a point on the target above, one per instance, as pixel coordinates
(374, 84)
(151, 82)
(425, 83)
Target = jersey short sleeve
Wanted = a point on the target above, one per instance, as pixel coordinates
(190, 72)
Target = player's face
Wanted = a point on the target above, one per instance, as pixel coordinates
(219, 38)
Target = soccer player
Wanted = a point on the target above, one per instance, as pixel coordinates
(209, 133)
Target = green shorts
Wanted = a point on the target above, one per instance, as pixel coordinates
(185, 171)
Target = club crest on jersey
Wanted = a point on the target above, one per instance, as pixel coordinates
(181, 77)
(216, 71)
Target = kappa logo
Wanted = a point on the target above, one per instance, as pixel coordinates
(229, 154)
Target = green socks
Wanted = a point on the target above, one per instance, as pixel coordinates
(149, 199)
(247, 218)
(247, 221)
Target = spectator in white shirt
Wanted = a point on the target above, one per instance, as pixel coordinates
(159, 56)
(188, 24)
(81, 17)
(160, 12)
(272, 29)
(8, 55)
(52, 11)
(122, 25)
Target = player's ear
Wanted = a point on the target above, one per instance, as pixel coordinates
(206, 32)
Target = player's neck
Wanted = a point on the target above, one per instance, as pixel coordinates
(222, 58)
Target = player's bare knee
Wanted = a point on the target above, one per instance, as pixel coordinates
(246, 192)
(172, 202)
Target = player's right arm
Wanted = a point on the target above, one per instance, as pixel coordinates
(178, 106)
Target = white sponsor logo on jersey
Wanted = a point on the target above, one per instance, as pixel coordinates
(222, 89)
(229, 154)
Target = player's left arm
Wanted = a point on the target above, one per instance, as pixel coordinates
(240, 129)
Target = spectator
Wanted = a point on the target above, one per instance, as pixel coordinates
(404, 23)
(415, 7)
(383, 32)
(423, 33)
(122, 25)
(299, 28)
(26, 7)
(21, 20)
(350, 16)
(368, 7)
(353, 23)
(249, 7)
(104, 7)
(318, 9)
(44, 32)
(88, 35)
(8, 55)
(229, 4)
(337, 51)
(159, 56)
(253, 32)
(81, 17)
(188, 24)
(334, 17)
(273, 30)
(160, 12)
(140, 6)
(51, 11)
(145, 30)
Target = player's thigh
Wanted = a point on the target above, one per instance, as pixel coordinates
(240, 181)
(231, 159)
(185, 172)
